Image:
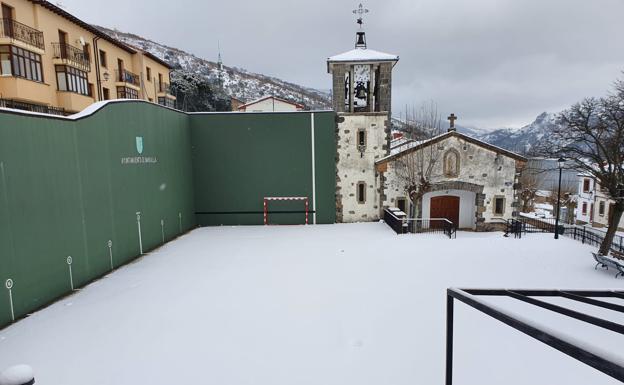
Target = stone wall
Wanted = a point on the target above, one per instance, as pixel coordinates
(385, 87)
(354, 166)
(338, 87)
(481, 170)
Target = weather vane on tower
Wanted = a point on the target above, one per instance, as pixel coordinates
(360, 11)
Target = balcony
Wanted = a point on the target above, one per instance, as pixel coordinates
(8, 103)
(163, 88)
(124, 76)
(14, 30)
(75, 57)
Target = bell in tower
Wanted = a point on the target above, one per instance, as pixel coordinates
(361, 97)
(362, 77)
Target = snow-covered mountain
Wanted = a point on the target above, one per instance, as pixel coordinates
(521, 140)
(237, 82)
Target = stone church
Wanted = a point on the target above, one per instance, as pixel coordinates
(472, 183)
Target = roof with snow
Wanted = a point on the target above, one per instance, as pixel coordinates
(362, 55)
(244, 106)
(409, 147)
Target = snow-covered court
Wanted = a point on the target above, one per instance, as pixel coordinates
(350, 304)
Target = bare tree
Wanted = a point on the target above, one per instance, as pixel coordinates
(591, 139)
(529, 186)
(415, 169)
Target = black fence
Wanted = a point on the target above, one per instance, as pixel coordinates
(403, 225)
(593, 238)
(523, 225)
(8, 103)
(547, 335)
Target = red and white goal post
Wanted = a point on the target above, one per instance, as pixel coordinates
(273, 199)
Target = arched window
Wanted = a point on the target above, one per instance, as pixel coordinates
(451, 163)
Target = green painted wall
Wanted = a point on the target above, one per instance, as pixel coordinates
(238, 159)
(67, 188)
(64, 191)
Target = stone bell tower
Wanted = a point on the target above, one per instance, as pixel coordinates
(361, 89)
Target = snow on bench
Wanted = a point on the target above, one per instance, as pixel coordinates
(606, 262)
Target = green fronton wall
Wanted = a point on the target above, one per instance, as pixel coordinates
(67, 187)
(238, 159)
(65, 192)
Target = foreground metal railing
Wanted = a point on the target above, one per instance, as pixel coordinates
(21, 32)
(403, 225)
(548, 335)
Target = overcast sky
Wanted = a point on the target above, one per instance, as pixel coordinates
(495, 63)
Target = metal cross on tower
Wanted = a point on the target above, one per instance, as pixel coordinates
(360, 11)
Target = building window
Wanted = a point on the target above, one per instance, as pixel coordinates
(586, 183)
(601, 208)
(127, 93)
(72, 80)
(402, 204)
(584, 209)
(5, 61)
(106, 92)
(148, 74)
(361, 139)
(166, 102)
(103, 61)
(499, 205)
(361, 192)
(15, 61)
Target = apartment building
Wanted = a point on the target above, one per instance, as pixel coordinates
(53, 62)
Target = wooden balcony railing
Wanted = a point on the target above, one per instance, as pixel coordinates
(71, 55)
(127, 77)
(21, 32)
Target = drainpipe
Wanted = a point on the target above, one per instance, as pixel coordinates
(96, 58)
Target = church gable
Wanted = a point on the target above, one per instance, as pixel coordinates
(454, 166)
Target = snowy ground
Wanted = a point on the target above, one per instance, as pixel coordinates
(331, 305)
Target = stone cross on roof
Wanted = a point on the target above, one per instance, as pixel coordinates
(360, 11)
(452, 119)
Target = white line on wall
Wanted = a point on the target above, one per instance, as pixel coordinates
(313, 170)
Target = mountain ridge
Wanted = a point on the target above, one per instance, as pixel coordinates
(232, 81)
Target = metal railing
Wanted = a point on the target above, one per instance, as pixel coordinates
(546, 334)
(72, 55)
(594, 237)
(21, 32)
(126, 76)
(403, 225)
(7, 103)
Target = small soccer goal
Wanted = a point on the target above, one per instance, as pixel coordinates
(303, 200)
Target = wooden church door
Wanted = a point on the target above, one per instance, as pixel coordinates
(445, 207)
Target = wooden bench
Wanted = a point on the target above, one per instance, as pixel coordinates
(606, 262)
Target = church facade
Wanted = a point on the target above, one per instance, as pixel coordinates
(471, 182)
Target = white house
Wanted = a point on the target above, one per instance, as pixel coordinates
(270, 104)
(586, 199)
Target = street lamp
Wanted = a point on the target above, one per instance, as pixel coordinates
(560, 163)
